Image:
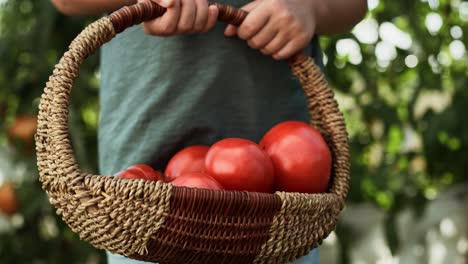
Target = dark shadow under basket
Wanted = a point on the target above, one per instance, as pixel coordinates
(158, 222)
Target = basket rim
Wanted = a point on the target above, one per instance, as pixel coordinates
(91, 181)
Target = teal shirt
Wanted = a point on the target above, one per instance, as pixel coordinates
(159, 95)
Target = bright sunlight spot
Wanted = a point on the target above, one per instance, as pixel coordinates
(331, 239)
(324, 58)
(385, 52)
(389, 260)
(447, 227)
(462, 246)
(438, 253)
(444, 58)
(456, 32)
(372, 4)
(433, 22)
(457, 49)
(434, 4)
(411, 61)
(367, 31)
(463, 11)
(17, 220)
(390, 33)
(350, 48)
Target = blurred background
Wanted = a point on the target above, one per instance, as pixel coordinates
(400, 77)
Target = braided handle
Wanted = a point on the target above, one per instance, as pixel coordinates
(135, 14)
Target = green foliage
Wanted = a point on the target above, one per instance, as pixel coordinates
(33, 36)
(403, 103)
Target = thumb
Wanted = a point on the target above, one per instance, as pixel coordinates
(232, 30)
(165, 3)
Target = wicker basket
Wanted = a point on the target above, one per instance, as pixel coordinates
(158, 222)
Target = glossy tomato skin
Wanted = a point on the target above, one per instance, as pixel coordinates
(197, 180)
(240, 164)
(141, 171)
(301, 158)
(190, 159)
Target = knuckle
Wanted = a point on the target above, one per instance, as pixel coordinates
(166, 30)
(246, 31)
(254, 43)
(202, 3)
(285, 16)
(152, 30)
(303, 38)
(277, 57)
(295, 27)
(278, 6)
(207, 28)
(199, 27)
(266, 51)
(184, 28)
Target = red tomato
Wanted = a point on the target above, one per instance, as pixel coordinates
(197, 180)
(8, 199)
(141, 171)
(301, 158)
(240, 164)
(190, 159)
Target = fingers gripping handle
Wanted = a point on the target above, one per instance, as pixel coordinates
(135, 14)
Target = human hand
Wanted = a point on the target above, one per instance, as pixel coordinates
(182, 17)
(279, 28)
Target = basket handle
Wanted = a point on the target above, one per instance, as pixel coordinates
(135, 14)
(129, 16)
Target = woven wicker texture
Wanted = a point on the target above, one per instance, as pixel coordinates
(306, 219)
(214, 227)
(154, 221)
(105, 211)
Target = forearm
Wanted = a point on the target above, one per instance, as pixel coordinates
(89, 7)
(337, 16)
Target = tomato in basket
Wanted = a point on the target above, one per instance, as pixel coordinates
(301, 158)
(197, 180)
(141, 171)
(240, 164)
(189, 159)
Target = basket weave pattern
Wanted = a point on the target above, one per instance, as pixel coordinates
(154, 221)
